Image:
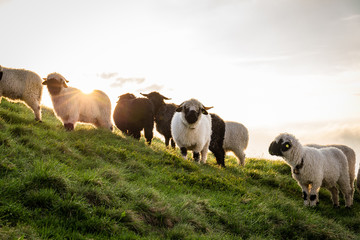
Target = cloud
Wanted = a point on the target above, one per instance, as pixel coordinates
(151, 88)
(120, 81)
(108, 75)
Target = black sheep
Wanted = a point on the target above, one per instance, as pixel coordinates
(163, 115)
(132, 115)
(217, 139)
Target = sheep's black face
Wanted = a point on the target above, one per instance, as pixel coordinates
(54, 86)
(191, 116)
(278, 148)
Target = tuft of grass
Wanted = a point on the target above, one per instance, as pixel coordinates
(96, 184)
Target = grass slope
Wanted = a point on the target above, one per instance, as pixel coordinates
(93, 184)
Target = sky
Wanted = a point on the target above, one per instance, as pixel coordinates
(274, 65)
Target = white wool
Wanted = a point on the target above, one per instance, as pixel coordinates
(236, 140)
(71, 106)
(24, 85)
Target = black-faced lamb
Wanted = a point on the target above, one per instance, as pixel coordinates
(163, 115)
(191, 129)
(72, 106)
(236, 140)
(313, 168)
(350, 156)
(21, 84)
(132, 115)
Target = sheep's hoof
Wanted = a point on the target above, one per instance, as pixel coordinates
(69, 126)
(336, 206)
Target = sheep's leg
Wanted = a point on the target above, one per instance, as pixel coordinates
(219, 155)
(167, 141)
(149, 134)
(36, 108)
(305, 189)
(346, 190)
(172, 143)
(314, 194)
(335, 196)
(204, 153)
(183, 152)
(240, 156)
(135, 134)
(196, 156)
(69, 126)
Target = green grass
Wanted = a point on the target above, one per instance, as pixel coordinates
(93, 184)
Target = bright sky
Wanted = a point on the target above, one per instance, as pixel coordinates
(273, 65)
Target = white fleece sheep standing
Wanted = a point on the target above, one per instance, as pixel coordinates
(71, 105)
(191, 129)
(313, 168)
(21, 84)
(236, 140)
(350, 156)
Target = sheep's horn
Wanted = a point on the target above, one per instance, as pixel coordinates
(207, 108)
(166, 98)
(145, 95)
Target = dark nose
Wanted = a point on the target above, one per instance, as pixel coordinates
(191, 116)
(274, 149)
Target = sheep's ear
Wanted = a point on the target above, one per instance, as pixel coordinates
(204, 110)
(166, 98)
(145, 95)
(179, 108)
(64, 85)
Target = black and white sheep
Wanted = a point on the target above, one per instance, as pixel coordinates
(163, 115)
(236, 140)
(313, 168)
(21, 84)
(351, 158)
(132, 115)
(72, 106)
(191, 129)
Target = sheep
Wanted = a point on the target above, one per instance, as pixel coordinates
(132, 115)
(72, 106)
(191, 129)
(21, 84)
(350, 156)
(236, 140)
(313, 168)
(163, 115)
(217, 139)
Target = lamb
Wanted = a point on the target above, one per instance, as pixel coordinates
(132, 115)
(163, 115)
(313, 168)
(236, 140)
(350, 156)
(191, 129)
(21, 84)
(72, 106)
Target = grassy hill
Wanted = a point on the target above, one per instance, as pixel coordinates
(93, 184)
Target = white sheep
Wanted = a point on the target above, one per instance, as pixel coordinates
(313, 168)
(350, 156)
(71, 105)
(236, 140)
(191, 129)
(21, 84)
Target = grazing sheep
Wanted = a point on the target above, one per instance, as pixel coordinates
(21, 84)
(72, 106)
(191, 129)
(350, 156)
(163, 115)
(132, 115)
(313, 168)
(217, 139)
(236, 140)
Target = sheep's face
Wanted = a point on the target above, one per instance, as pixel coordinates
(156, 98)
(282, 145)
(192, 110)
(55, 83)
